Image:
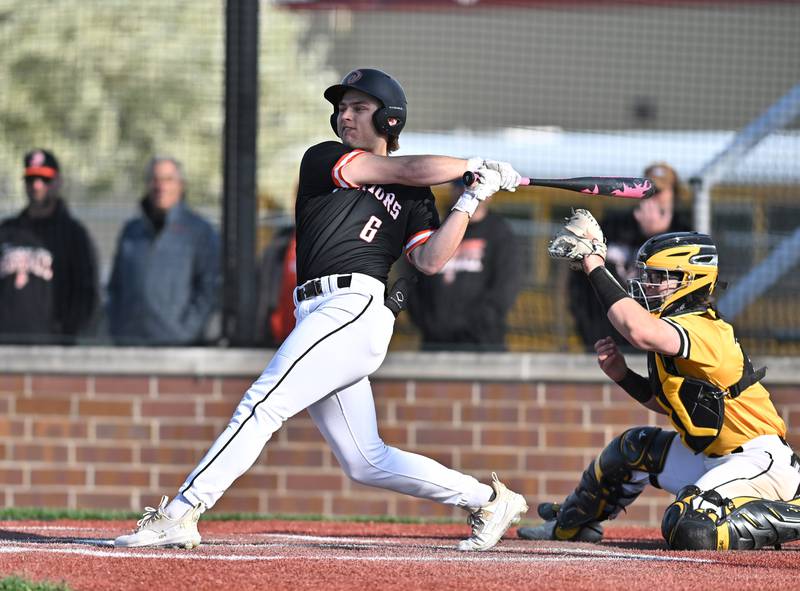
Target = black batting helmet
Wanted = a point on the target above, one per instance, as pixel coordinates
(391, 117)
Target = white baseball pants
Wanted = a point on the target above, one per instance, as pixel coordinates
(340, 338)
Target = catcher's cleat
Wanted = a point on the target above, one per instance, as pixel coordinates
(491, 521)
(155, 528)
(549, 530)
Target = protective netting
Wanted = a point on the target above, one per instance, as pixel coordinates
(560, 89)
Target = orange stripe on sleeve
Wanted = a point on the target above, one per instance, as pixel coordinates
(417, 239)
(336, 171)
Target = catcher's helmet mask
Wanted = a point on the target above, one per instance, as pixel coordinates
(390, 118)
(687, 260)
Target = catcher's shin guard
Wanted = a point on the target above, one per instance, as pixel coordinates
(742, 523)
(600, 494)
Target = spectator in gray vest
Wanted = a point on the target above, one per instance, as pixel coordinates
(165, 281)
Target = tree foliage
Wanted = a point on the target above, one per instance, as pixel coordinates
(106, 84)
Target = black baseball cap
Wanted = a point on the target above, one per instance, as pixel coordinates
(41, 163)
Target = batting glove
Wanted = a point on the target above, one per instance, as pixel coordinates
(509, 178)
(487, 183)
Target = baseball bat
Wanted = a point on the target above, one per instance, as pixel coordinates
(629, 187)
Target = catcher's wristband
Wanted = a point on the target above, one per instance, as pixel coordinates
(606, 288)
(636, 386)
(467, 203)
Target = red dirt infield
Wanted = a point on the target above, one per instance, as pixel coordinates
(376, 556)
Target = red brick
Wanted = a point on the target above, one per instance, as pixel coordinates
(175, 408)
(185, 385)
(40, 499)
(218, 410)
(10, 476)
(572, 438)
(303, 432)
(3, 451)
(389, 390)
(360, 506)
(260, 481)
(168, 479)
(560, 393)
(62, 476)
(293, 456)
(171, 455)
(524, 437)
(5, 405)
(105, 454)
(551, 462)
(42, 405)
(134, 385)
(295, 505)
(419, 508)
(238, 502)
(490, 414)
(443, 391)
(122, 477)
(442, 436)
(315, 482)
(784, 394)
(555, 415)
(35, 452)
(58, 384)
(235, 386)
(396, 436)
(509, 391)
(108, 501)
(12, 382)
(105, 408)
(426, 411)
(119, 431)
(53, 428)
(471, 461)
(11, 427)
(560, 487)
(624, 417)
(188, 432)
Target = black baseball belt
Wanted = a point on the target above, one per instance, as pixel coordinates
(313, 287)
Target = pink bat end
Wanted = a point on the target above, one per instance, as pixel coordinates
(637, 191)
(594, 191)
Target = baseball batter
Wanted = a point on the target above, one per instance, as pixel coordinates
(735, 478)
(357, 211)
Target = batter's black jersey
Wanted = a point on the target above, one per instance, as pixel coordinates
(342, 228)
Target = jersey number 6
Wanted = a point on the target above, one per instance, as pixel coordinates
(370, 229)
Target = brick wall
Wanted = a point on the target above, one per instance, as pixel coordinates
(106, 441)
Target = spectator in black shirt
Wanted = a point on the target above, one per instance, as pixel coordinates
(464, 306)
(48, 269)
(625, 231)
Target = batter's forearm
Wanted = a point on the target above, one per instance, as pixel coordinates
(430, 257)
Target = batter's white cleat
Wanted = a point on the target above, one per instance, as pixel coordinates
(491, 521)
(155, 528)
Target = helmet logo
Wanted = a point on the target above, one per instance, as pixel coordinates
(353, 77)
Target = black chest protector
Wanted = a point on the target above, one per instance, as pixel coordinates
(697, 407)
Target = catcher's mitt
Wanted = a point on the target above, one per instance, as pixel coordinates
(580, 237)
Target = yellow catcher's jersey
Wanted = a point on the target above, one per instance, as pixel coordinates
(710, 352)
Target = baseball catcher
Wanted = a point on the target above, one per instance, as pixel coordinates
(735, 478)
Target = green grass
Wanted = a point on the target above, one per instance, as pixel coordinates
(44, 514)
(18, 584)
